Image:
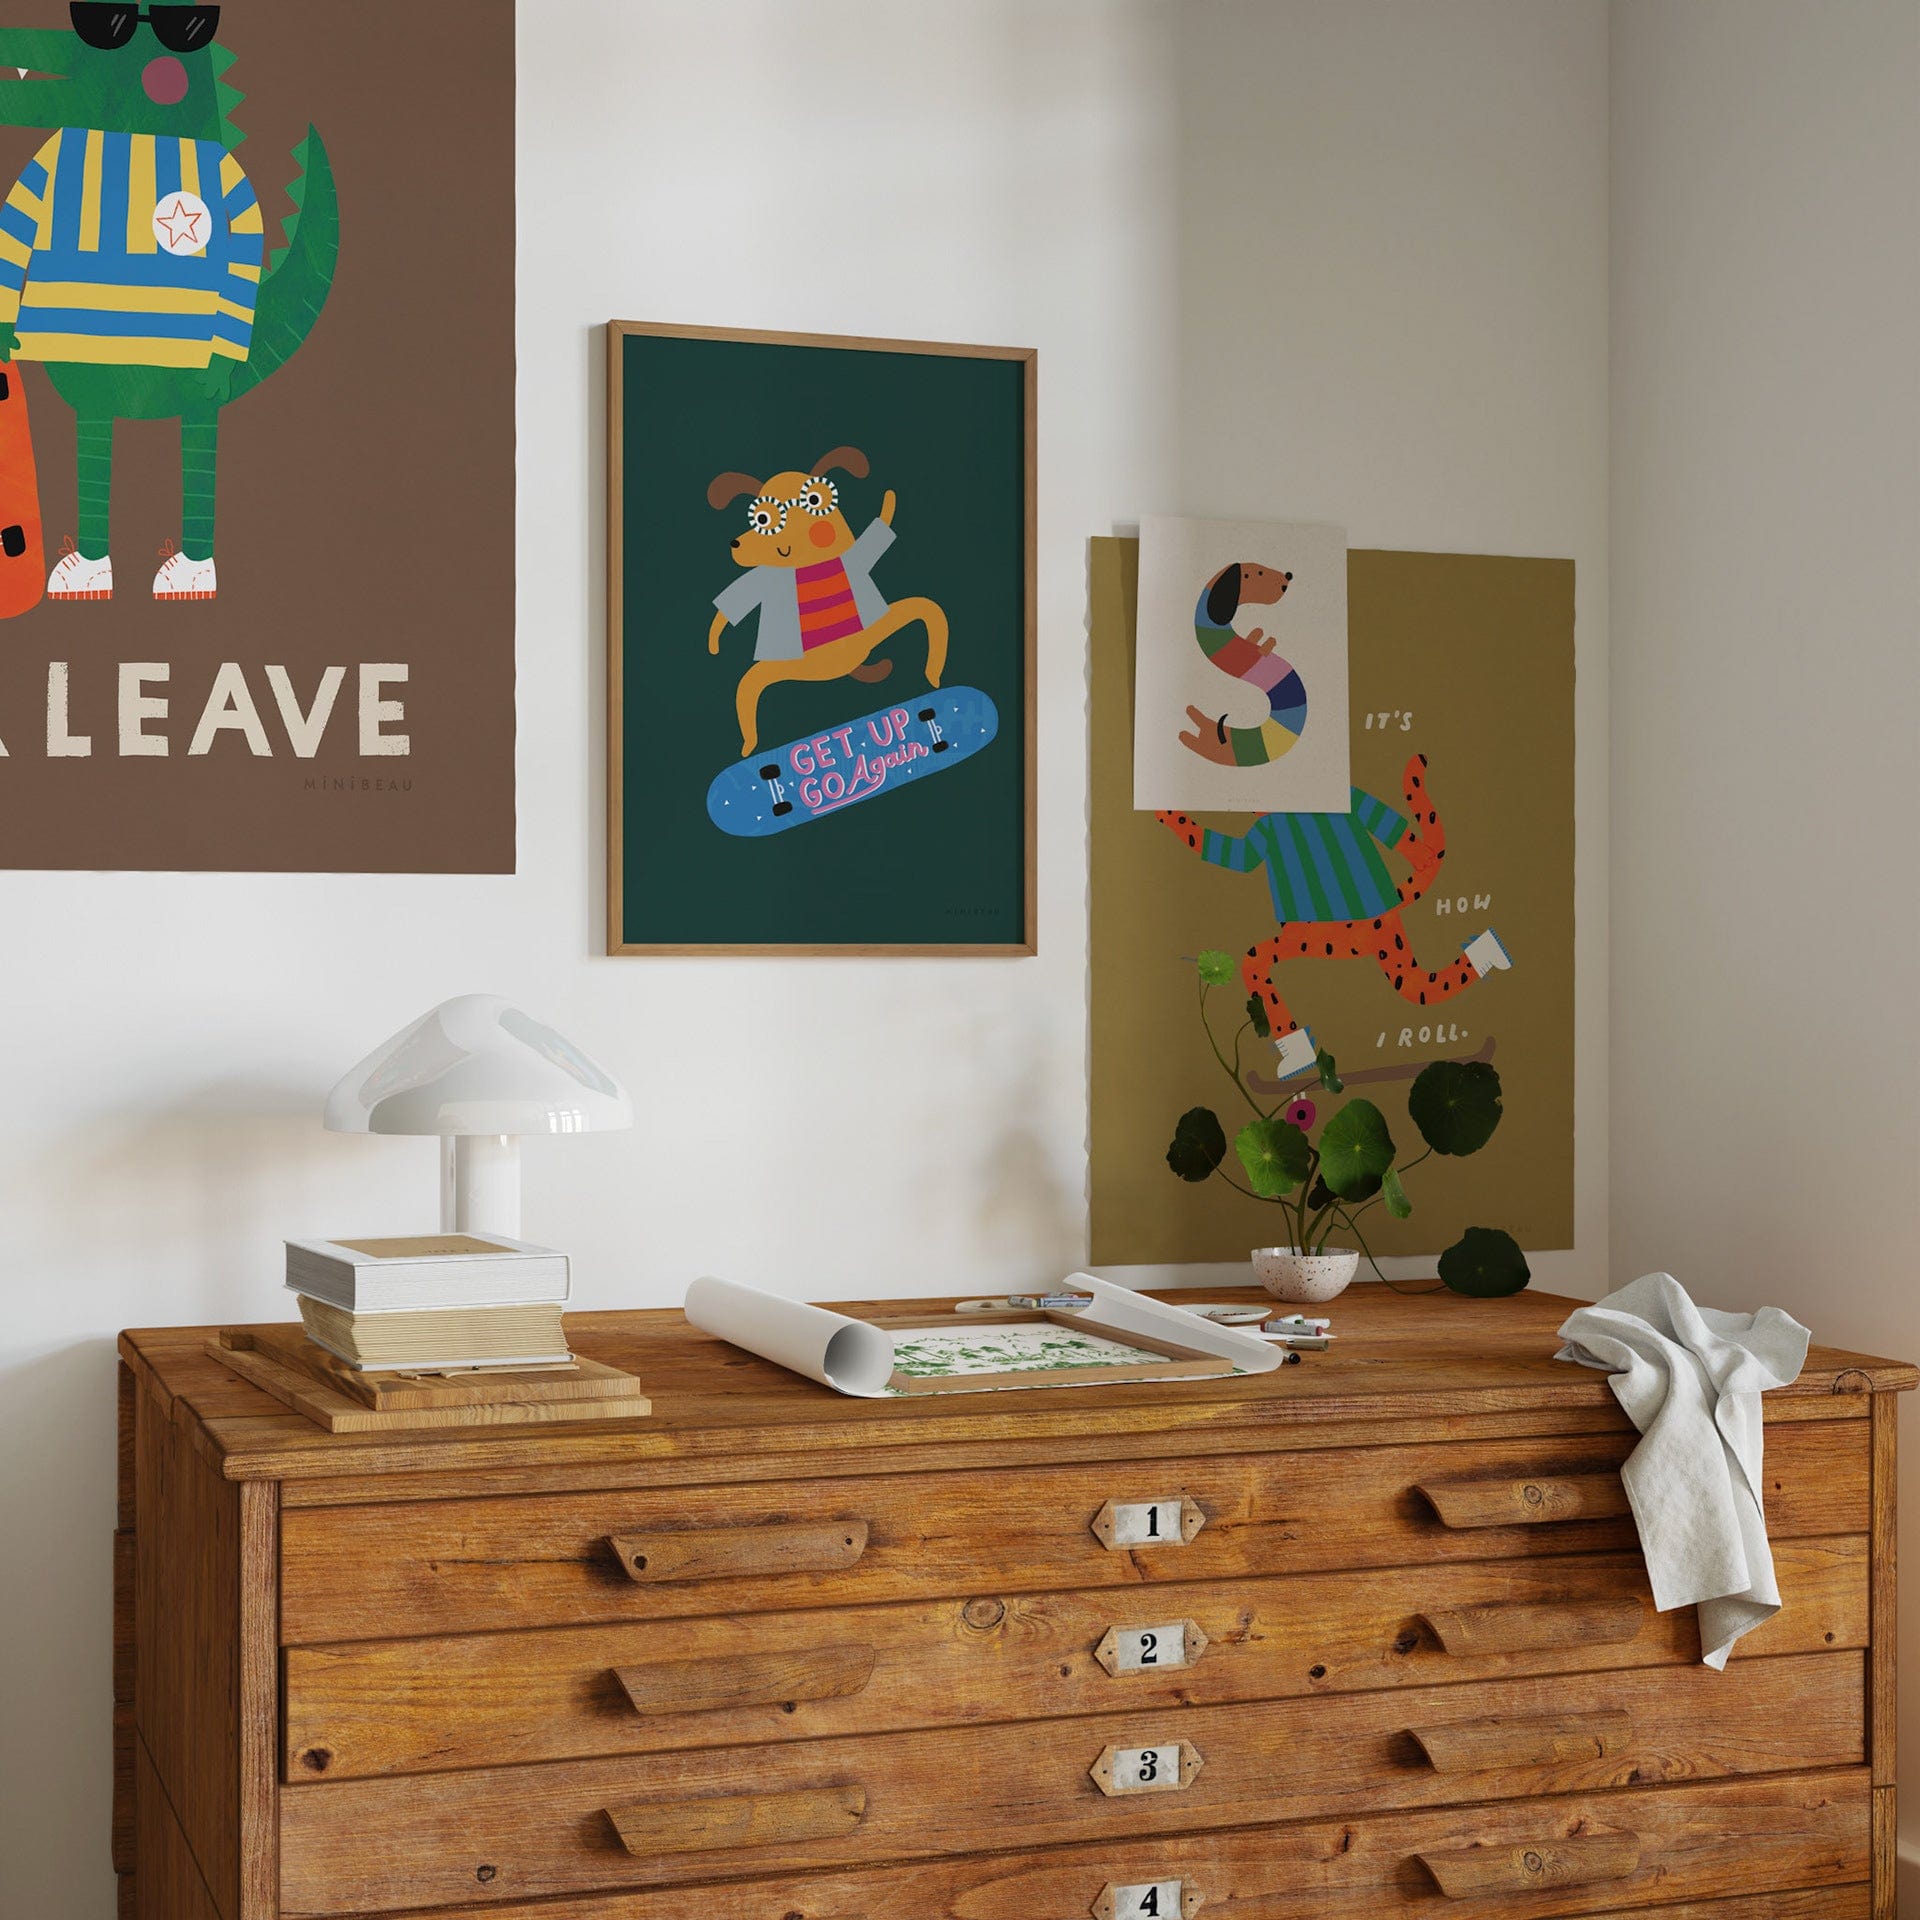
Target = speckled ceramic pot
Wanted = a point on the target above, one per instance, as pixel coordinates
(1304, 1278)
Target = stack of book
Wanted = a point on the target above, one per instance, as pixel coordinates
(439, 1303)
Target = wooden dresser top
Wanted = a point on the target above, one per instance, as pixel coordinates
(1397, 1358)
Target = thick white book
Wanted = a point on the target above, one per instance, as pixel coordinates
(427, 1270)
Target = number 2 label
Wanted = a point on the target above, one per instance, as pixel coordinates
(1179, 1643)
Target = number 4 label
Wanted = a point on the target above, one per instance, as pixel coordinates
(1148, 1900)
(1147, 1523)
(1167, 1768)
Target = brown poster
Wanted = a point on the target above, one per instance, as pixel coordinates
(1462, 680)
(257, 436)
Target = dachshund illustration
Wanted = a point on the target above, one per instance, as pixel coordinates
(1335, 900)
(820, 613)
(1251, 658)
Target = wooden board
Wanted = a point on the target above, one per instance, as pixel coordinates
(475, 1564)
(393, 1391)
(284, 1363)
(415, 1705)
(1785, 1848)
(360, 1846)
(1437, 1359)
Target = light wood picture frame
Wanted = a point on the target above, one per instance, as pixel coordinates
(760, 677)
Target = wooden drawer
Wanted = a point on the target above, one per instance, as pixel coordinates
(1750, 1842)
(576, 1826)
(499, 1699)
(453, 1566)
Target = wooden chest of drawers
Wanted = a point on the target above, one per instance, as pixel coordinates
(1383, 1644)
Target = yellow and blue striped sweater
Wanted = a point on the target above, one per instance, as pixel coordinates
(131, 249)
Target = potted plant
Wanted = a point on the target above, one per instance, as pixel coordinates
(1325, 1174)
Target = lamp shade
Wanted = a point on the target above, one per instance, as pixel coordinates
(477, 1065)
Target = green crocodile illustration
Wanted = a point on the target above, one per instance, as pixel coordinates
(131, 255)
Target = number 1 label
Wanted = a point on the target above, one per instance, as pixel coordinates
(1148, 1523)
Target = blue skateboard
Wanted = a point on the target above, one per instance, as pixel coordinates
(845, 764)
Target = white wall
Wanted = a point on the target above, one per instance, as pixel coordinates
(1766, 496)
(1293, 258)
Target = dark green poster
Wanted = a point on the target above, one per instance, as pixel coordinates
(820, 644)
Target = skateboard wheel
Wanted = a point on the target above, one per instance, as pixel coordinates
(783, 806)
(770, 772)
(927, 713)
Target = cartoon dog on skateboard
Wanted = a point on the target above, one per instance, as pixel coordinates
(820, 613)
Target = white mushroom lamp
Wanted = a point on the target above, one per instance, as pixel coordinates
(479, 1073)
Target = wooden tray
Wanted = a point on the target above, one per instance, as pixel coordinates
(282, 1361)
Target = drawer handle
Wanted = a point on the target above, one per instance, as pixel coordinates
(1526, 1503)
(721, 1553)
(738, 1820)
(1550, 1740)
(1584, 1861)
(1531, 1627)
(751, 1680)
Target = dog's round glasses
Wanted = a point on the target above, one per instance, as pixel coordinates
(818, 497)
(102, 24)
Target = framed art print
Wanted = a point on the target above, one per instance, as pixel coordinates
(257, 438)
(820, 644)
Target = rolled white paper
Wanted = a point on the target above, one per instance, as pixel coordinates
(1124, 1311)
(848, 1355)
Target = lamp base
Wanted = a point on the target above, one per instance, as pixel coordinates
(480, 1183)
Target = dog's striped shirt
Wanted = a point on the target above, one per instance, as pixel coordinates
(827, 609)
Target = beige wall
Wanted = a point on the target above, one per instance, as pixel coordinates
(1766, 519)
(1327, 259)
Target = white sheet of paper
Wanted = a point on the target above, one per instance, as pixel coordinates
(854, 1357)
(1274, 685)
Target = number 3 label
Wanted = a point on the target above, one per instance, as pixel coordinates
(1166, 1768)
(1147, 1900)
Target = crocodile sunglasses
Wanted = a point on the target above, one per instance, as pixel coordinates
(179, 29)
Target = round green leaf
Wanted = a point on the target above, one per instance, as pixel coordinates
(1486, 1263)
(1199, 1144)
(1216, 968)
(1328, 1078)
(1395, 1195)
(1456, 1105)
(1275, 1154)
(1257, 1013)
(1356, 1150)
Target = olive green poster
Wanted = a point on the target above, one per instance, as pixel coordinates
(820, 644)
(1230, 951)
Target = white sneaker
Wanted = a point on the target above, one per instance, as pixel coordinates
(182, 579)
(1298, 1053)
(1487, 954)
(75, 577)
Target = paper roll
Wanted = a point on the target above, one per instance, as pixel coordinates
(848, 1355)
